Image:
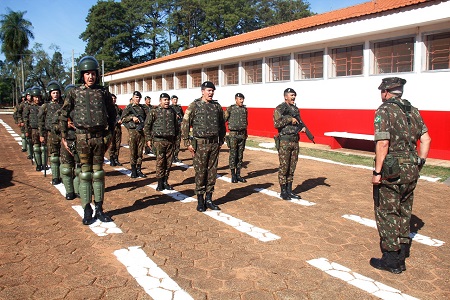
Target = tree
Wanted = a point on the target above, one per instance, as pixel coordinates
(273, 12)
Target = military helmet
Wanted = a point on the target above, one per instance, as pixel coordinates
(23, 94)
(28, 91)
(391, 82)
(88, 63)
(69, 87)
(53, 86)
(35, 91)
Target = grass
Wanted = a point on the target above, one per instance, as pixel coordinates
(353, 159)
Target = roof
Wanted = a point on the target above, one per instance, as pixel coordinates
(356, 11)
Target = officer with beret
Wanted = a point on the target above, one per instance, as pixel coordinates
(116, 138)
(149, 107)
(133, 117)
(398, 127)
(205, 116)
(237, 117)
(287, 121)
(180, 114)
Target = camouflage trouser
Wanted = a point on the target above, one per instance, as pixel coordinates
(35, 136)
(53, 144)
(237, 147)
(90, 149)
(163, 153)
(136, 142)
(205, 166)
(177, 143)
(116, 139)
(24, 142)
(65, 156)
(394, 214)
(288, 156)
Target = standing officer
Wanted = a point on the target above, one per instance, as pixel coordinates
(94, 118)
(30, 118)
(47, 117)
(148, 106)
(286, 119)
(18, 111)
(237, 118)
(205, 115)
(180, 114)
(162, 127)
(133, 118)
(398, 127)
(116, 138)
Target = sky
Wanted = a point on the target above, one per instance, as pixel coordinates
(60, 22)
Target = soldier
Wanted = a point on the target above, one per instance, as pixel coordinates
(94, 118)
(237, 118)
(133, 117)
(205, 115)
(398, 127)
(20, 114)
(47, 117)
(180, 114)
(148, 106)
(162, 127)
(286, 119)
(116, 138)
(18, 110)
(30, 117)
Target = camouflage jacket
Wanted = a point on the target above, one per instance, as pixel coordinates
(128, 114)
(237, 117)
(48, 115)
(282, 119)
(161, 122)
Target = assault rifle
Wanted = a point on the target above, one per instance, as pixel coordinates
(141, 124)
(300, 124)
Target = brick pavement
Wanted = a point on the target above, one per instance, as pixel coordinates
(47, 253)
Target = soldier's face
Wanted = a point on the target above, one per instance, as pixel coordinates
(164, 102)
(147, 101)
(174, 101)
(208, 94)
(289, 98)
(36, 99)
(384, 95)
(239, 101)
(114, 99)
(54, 95)
(28, 98)
(90, 77)
(136, 99)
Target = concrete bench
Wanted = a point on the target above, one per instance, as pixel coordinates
(347, 135)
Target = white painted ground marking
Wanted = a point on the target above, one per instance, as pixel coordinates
(371, 286)
(277, 195)
(427, 178)
(175, 194)
(156, 283)
(98, 227)
(414, 235)
(261, 234)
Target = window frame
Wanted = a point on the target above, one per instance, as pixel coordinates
(333, 65)
(258, 73)
(298, 69)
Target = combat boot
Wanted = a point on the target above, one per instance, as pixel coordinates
(388, 262)
(139, 172)
(112, 161)
(56, 181)
(133, 172)
(201, 203)
(160, 185)
(233, 176)
(209, 204)
(116, 161)
(39, 168)
(284, 194)
(238, 176)
(166, 184)
(176, 159)
(147, 150)
(289, 191)
(88, 219)
(99, 214)
(403, 255)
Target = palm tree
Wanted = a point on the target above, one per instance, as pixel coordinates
(15, 35)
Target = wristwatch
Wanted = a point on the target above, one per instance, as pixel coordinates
(421, 161)
(375, 173)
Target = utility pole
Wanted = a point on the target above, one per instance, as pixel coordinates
(103, 72)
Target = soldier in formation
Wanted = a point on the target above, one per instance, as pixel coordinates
(148, 106)
(18, 111)
(237, 118)
(398, 128)
(30, 117)
(116, 138)
(180, 114)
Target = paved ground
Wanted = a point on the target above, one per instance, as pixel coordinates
(259, 247)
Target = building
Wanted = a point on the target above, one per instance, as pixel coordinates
(335, 61)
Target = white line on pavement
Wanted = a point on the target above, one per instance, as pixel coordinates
(371, 286)
(277, 195)
(414, 235)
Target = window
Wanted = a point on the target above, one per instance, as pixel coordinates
(253, 71)
(347, 61)
(438, 51)
(212, 74)
(169, 81)
(181, 80)
(279, 68)
(394, 56)
(158, 83)
(139, 85)
(118, 88)
(231, 74)
(148, 84)
(125, 87)
(310, 65)
(112, 88)
(196, 78)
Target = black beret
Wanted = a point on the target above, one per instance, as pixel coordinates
(289, 90)
(174, 96)
(240, 95)
(208, 84)
(136, 93)
(164, 95)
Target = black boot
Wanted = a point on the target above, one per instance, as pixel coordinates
(112, 161)
(133, 171)
(201, 203)
(284, 195)
(209, 204)
(176, 159)
(99, 214)
(147, 150)
(139, 172)
(39, 168)
(71, 196)
(238, 176)
(56, 181)
(166, 184)
(388, 262)
(233, 176)
(88, 219)
(403, 255)
(290, 193)
(116, 161)
(160, 185)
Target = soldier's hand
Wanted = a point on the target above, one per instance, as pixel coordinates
(376, 179)
(149, 144)
(42, 139)
(64, 142)
(191, 149)
(135, 120)
(294, 121)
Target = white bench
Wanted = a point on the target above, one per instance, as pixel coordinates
(347, 135)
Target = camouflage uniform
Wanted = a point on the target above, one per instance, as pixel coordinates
(116, 138)
(208, 128)
(70, 164)
(18, 111)
(180, 114)
(162, 127)
(30, 118)
(148, 149)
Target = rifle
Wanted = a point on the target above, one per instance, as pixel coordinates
(141, 124)
(44, 163)
(31, 147)
(300, 125)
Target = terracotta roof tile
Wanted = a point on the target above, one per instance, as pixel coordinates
(367, 8)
